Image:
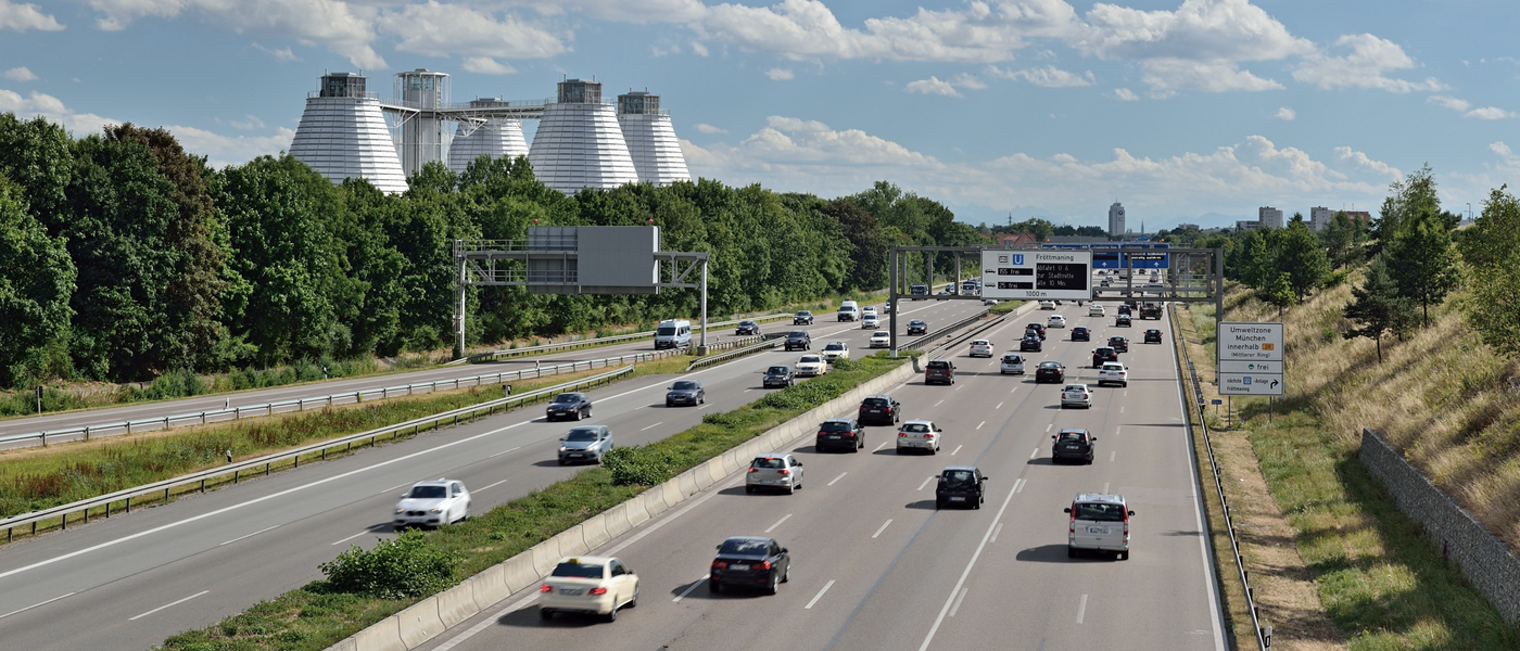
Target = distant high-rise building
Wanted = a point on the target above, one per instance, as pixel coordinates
(1186, 227)
(343, 135)
(1116, 220)
(1247, 224)
(579, 143)
(1319, 218)
(651, 139)
(1269, 217)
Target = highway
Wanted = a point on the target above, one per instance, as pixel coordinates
(875, 566)
(134, 580)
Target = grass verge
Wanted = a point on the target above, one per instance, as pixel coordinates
(316, 616)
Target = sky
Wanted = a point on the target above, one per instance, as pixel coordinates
(1184, 111)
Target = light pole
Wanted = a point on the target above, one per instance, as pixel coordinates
(1469, 212)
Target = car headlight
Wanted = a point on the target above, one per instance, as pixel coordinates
(563, 449)
(436, 509)
(400, 510)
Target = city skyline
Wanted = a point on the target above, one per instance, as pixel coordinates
(1188, 111)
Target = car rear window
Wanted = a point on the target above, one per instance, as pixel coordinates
(939, 365)
(1067, 437)
(916, 428)
(744, 547)
(768, 462)
(877, 402)
(578, 570)
(835, 426)
(428, 492)
(1098, 512)
(957, 477)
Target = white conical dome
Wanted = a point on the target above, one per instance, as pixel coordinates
(579, 143)
(497, 138)
(342, 135)
(651, 140)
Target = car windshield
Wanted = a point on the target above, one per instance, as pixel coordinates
(957, 477)
(916, 324)
(812, 359)
(744, 547)
(581, 435)
(568, 397)
(881, 333)
(797, 334)
(915, 428)
(684, 386)
(804, 313)
(835, 426)
(1098, 512)
(1054, 366)
(777, 370)
(428, 492)
(578, 570)
(666, 331)
(768, 462)
(746, 324)
(834, 346)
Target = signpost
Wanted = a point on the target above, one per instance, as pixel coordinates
(1038, 274)
(1249, 359)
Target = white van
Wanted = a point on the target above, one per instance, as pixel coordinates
(1099, 522)
(849, 311)
(672, 333)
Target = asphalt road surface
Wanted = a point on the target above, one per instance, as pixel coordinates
(130, 581)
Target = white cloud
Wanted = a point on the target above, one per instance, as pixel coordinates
(708, 128)
(779, 74)
(698, 48)
(1126, 94)
(932, 86)
(20, 74)
(1285, 114)
(1452, 103)
(967, 80)
(1209, 76)
(487, 66)
(1365, 67)
(1360, 159)
(221, 150)
(442, 30)
(1465, 108)
(281, 53)
(22, 17)
(1047, 77)
(342, 27)
(46, 106)
(253, 122)
(1199, 30)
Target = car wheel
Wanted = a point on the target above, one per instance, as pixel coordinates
(749, 490)
(791, 489)
(668, 404)
(938, 505)
(775, 580)
(714, 586)
(1124, 556)
(1071, 552)
(634, 602)
(978, 504)
(786, 575)
(702, 400)
(561, 462)
(612, 614)
(545, 613)
(899, 450)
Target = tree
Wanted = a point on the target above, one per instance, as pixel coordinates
(1279, 293)
(1298, 255)
(1344, 238)
(1422, 261)
(1491, 253)
(36, 283)
(1415, 195)
(1378, 307)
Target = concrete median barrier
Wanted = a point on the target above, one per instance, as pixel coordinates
(489, 586)
(687, 481)
(519, 573)
(545, 556)
(617, 520)
(595, 529)
(636, 513)
(672, 492)
(572, 541)
(654, 502)
(419, 623)
(457, 604)
(384, 635)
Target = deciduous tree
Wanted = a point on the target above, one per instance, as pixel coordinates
(1491, 253)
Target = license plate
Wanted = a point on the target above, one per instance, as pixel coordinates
(738, 567)
(1100, 531)
(957, 499)
(571, 591)
(577, 455)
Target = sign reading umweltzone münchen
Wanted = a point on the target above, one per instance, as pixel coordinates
(1037, 274)
(1250, 359)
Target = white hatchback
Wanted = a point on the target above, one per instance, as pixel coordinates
(1076, 395)
(1095, 310)
(881, 339)
(597, 585)
(918, 435)
(1056, 321)
(981, 348)
(1113, 373)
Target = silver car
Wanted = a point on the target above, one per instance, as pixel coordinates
(585, 443)
(1099, 522)
(433, 504)
(774, 470)
(919, 435)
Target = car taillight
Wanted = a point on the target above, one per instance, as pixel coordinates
(754, 470)
(928, 436)
(545, 588)
(720, 565)
(598, 591)
(763, 565)
(786, 472)
(850, 434)
(902, 435)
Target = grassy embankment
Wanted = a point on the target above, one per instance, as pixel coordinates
(313, 617)
(1443, 399)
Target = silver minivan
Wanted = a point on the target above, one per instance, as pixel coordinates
(1099, 522)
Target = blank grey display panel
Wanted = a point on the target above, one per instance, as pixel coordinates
(618, 256)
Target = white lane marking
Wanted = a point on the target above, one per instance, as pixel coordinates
(784, 518)
(1105, 488)
(748, 390)
(1013, 389)
(979, 425)
(996, 531)
(392, 488)
(818, 596)
(959, 387)
(645, 429)
(941, 402)
(504, 452)
(883, 528)
(926, 483)
(1116, 430)
(678, 598)
(1081, 609)
(879, 447)
(493, 485)
(841, 476)
(339, 542)
(272, 496)
(1047, 427)
(704, 406)
(1018, 486)
(965, 573)
(167, 605)
(1035, 452)
(1000, 406)
(1121, 409)
(229, 542)
(44, 603)
(1111, 454)
(957, 449)
(957, 605)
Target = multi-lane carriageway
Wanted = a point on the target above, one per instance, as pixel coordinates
(130, 581)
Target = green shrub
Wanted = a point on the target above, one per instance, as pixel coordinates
(637, 466)
(406, 567)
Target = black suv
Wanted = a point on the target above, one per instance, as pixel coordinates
(1075, 444)
(799, 340)
(1030, 343)
(1037, 327)
(840, 433)
(1153, 336)
(747, 328)
(880, 410)
(778, 376)
(803, 318)
(959, 485)
(1120, 344)
(1104, 354)
(1124, 309)
(917, 327)
(939, 371)
(1080, 333)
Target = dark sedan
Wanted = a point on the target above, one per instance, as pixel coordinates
(573, 406)
(879, 410)
(750, 561)
(685, 392)
(1049, 371)
(1104, 354)
(1072, 445)
(798, 340)
(837, 433)
(1080, 333)
(804, 317)
(1119, 343)
(917, 327)
(1153, 336)
(778, 377)
(1037, 327)
(1122, 321)
(1030, 344)
(747, 328)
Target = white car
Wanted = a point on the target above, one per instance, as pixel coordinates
(1076, 395)
(1012, 363)
(774, 470)
(981, 348)
(598, 585)
(869, 322)
(1099, 522)
(810, 366)
(1056, 321)
(869, 310)
(918, 435)
(433, 504)
(1095, 310)
(1113, 373)
(881, 339)
(1047, 305)
(836, 350)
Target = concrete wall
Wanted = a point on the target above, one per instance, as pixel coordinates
(1485, 560)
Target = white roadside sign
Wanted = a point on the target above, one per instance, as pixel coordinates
(1250, 384)
(1250, 342)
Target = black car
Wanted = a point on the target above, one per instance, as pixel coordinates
(1031, 343)
(685, 392)
(798, 340)
(803, 318)
(778, 376)
(747, 328)
(1124, 309)
(1121, 321)
(574, 406)
(1119, 344)
(1104, 354)
(749, 561)
(880, 410)
(1031, 332)
(837, 433)
(1072, 444)
(959, 485)
(1153, 336)
(1037, 327)
(917, 327)
(1049, 371)
(1080, 333)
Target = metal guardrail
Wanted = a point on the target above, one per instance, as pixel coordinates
(601, 341)
(1263, 635)
(414, 426)
(766, 341)
(916, 343)
(300, 404)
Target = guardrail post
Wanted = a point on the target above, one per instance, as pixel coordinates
(86, 432)
(44, 436)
